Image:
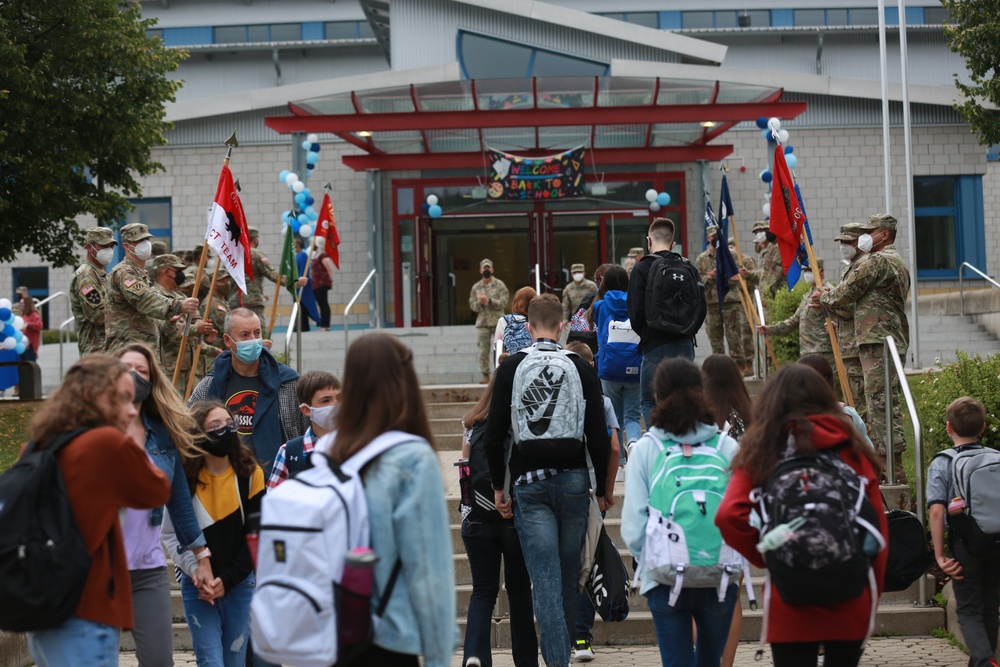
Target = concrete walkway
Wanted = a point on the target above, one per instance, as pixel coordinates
(881, 652)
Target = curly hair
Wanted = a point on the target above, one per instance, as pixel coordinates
(681, 404)
(242, 460)
(75, 403)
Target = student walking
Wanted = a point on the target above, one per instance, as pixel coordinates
(318, 393)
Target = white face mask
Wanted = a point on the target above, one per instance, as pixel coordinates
(577, 277)
(143, 250)
(848, 251)
(808, 277)
(760, 237)
(104, 256)
(324, 417)
(865, 243)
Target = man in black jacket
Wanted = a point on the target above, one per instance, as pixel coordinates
(551, 499)
(655, 345)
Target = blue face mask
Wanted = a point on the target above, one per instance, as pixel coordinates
(248, 351)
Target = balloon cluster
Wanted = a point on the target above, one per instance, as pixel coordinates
(772, 131)
(431, 206)
(657, 200)
(302, 216)
(11, 337)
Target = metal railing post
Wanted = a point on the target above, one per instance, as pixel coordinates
(292, 323)
(350, 304)
(62, 327)
(890, 453)
(761, 358)
(961, 281)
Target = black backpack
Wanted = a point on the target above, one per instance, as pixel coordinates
(44, 561)
(477, 486)
(675, 296)
(296, 460)
(909, 558)
(609, 585)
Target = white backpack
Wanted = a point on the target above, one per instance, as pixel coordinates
(547, 402)
(308, 525)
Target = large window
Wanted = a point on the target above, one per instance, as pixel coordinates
(153, 212)
(484, 57)
(725, 19)
(948, 214)
(276, 32)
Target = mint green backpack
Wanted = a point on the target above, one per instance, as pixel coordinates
(683, 548)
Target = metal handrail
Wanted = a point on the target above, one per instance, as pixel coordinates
(350, 304)
(292, 323)
(759, 357)
(961, 281)
(62, 327)
(39, 304)
(918, 443)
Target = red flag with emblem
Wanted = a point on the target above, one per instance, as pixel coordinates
(227, 231)
(787, 216)
(328, 229)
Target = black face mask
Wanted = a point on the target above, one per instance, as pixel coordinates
(179, 276)
(142, 387)
(221, 443)
(487, 273)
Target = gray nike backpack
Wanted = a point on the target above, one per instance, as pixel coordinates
(547, 404)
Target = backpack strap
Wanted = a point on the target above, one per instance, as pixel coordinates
(389, 585)
(57, 441)
(295, 456)
(376, 447)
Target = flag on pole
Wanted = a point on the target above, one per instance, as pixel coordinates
(787, 216)
(328, 229)
(725, 265)
(227, 231)
(307, 299)
(288, 268)
(802, 258)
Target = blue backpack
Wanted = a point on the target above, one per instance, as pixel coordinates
(618, 355)
(515, 335)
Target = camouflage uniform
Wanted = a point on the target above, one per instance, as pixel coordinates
(254, 298)
(705, 263)
(843, 319)
(811, 323)
(877, 284)
(489, 314)
(574, 293)
(739, 336)
(133, 306)
(771, 275)
(87, 295)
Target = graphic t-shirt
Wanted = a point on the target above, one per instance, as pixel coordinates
(241, 393)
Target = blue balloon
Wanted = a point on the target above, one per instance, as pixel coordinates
(765, 134)
(295, 226)
(8, 330)
(309, 174)
(789, 150)
(791, 160)
(310, 201)
(762, 122)
(312, 157)
(18, 335)
(663, 199)
(770, 137)
(313, 216)
(283, 175)
(309, 210)
(310, 166)
(766, 176)
(303, 219)
(425, 207)
(307, 192)
(434, 211)
(284, 216)
(300, 199)
(4, 314)
(314, 148)
(21, 347)
(306, 145)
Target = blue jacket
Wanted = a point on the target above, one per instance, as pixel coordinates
(409, 521)
(164, 454)
(618, 360)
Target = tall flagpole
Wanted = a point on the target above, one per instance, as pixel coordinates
(231, 143)
(754, 321)
(197, 351)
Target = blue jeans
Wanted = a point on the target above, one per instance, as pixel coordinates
(75, 643)
(485, 543)
(652, 359)
(673, 624)
(626, 400)
(219, 633)
(551, 520)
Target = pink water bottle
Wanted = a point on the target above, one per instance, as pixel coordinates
(354, 614)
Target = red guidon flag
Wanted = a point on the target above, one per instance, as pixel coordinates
(227, 231)
(327, 229)
(787, 217)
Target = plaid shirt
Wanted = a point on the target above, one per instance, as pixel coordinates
(279, 471)
(537, 475)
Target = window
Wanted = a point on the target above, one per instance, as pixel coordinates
(810, 17)
(691, 20)
(485, 57)
(948, 213)
(153, 212)
(230, 34)
(341, 30)
(365, 30)
(936, 15)
(286, 32)
(239, 34)
(836, 17)
(155, 33)
(863, 17)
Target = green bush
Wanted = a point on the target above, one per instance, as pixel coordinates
(968, 376)
(781, 307)
(51, 336)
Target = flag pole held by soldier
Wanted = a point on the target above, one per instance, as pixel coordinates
(208, 313)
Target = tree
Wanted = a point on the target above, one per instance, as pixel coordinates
(82, 107)
(972, 33)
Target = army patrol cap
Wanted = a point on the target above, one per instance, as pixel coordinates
(159, 248)
(486, 262)
(163, 261)
(761, 226)
(636, 252)
(711, 230)
(135, 232)
(254, 232)
(849, 232)
(99, 236)
(22, 290)
(880, 221)
(576, 267)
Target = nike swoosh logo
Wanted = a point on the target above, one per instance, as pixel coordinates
(543, 393)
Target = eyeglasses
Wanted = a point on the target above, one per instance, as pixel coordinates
(220, 431)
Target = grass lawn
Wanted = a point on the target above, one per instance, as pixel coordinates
(14, 418)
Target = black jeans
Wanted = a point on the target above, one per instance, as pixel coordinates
(803, 654)
(303, 319)
(485, 543)
(977, 598)
(322, 301)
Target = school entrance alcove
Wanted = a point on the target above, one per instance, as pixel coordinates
(634, 134)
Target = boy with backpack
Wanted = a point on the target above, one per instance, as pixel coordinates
(551, 401)
(318, 393)
(962, 487)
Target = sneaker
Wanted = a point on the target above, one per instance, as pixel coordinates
(620, 476)
(582, 651)
(473, 662)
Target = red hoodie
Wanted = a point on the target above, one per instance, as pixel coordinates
(846, 621)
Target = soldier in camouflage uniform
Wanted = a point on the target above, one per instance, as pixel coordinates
(705, 263)
(254, 298)
(169, 272)
(133, 306)
(578, 290)
(771, 275)
(877, 285)
(739, 334)
(488, 297)
(843, 320)
(87, 289)
(810, 320)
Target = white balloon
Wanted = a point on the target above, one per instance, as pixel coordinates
(654, 207)
(312, 138)
(651, 195)
(783, 136)
(9, 343)
(18, 323)
(291, 179)
(774, 123)
(432, 200)
(305, 231)
(298, 186)
(766, 208)
(4, 303)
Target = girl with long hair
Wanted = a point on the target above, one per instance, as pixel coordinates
(103, 471)
(516, 321)
(164, 428)
(727, 393)
(227, 486)
(407, 511)
(798, 411)
(682, 416)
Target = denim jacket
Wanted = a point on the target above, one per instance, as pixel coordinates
(409, 521)
(161, 449)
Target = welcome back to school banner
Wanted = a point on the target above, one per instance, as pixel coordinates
(554, 177)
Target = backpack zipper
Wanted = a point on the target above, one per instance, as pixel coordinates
(292, 587)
